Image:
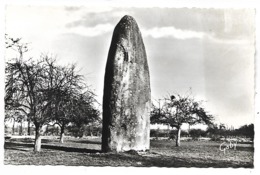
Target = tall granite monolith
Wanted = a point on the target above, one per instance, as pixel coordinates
(127, 94)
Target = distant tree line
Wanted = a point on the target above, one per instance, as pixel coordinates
(42, 92)
(214, 132)
(91, 129)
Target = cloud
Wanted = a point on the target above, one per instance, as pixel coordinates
(72, 8)
(163, 32)
(97, 30)
(90, 18)
(172, 32)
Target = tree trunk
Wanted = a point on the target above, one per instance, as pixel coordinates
(21, 129)
(37, 142)
(47, 130)
(178, 138)
(29, 128)
(62, 128)
(13, 127)
(62, 134)
(157, 133)
(189, 130)
(91, 131)
(168, 128)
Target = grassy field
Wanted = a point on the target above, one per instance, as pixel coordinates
(163, 153)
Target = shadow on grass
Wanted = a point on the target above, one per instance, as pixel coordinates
(50, 140)
(87, 142)
(165, 161)
(30, 140)
(24, 140)
(149, 159)
(16, 146)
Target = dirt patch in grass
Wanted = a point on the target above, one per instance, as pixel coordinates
(163, 153)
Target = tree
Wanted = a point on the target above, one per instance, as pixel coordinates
(70, 84)
(213, 131)
(30, 94)
(63, 112)
(85, 112)
(41, 88)
(177, 110)
(76, 109)
(246, 131)
(196, 133)
(10, 90)
(32, 87)
(14, 116)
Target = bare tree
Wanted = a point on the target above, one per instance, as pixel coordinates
(29, 94)
(44, 91)
(32, 87)
(177, 110)
(11, 95)
(67, 95)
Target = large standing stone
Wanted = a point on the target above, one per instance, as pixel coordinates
(127, 94)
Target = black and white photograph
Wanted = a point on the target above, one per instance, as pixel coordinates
(102, 85)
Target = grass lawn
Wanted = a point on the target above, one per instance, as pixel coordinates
(163, 153)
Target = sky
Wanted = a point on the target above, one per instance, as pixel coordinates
(210, 51)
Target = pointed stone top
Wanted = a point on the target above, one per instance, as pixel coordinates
(127, 18)
(126, 22)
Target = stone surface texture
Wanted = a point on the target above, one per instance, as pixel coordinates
(127, 94)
